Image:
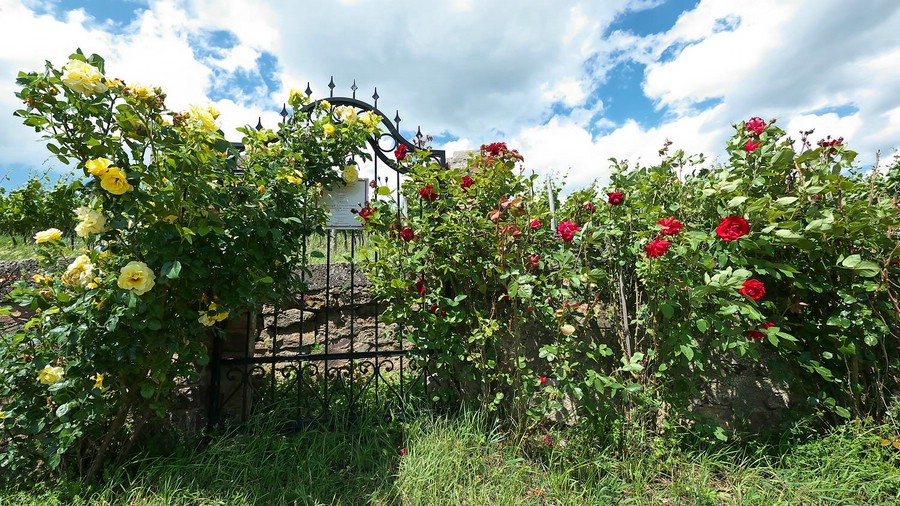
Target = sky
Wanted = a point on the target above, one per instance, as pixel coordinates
(567, 83)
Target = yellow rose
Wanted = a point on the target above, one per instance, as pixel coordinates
(325, 104)
(99, 166)
(137, 277)
(347, 114)
(49, 235)
(370, 119)
(294, 179)
(98, 382)
(114, 181)
(350, 174)
(210, 317)
(328, 128)
(3, 415)
(92, 222)
(50, 375)
(204, 119)
(141, 92)
(83, 77)
(80, 272)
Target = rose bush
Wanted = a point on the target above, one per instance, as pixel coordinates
(174, 240)
(782, 253)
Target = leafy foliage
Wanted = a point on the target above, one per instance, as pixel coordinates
(174, 241)
(654, 286)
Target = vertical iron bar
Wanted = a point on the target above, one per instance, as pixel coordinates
(376, 301)
(305, 264)
(328, 233)
(399, 335)
(352, 313)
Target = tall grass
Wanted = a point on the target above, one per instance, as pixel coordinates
(466, 460)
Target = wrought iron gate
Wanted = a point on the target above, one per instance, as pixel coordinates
(325, 351)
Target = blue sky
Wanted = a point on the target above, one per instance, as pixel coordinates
(568, 83)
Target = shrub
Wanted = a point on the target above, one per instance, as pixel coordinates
(174, 241)
(655, 285)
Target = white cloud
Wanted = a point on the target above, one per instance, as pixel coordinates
(491, 70)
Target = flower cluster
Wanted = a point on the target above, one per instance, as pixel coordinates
(112, 178)
(754, 126)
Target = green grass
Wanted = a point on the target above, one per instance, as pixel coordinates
(20, 251)
(464, 460)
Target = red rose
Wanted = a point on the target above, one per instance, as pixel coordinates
(615, 198)
(466, 182)
(751, 146)
(534, 261)
(589, 207)
(672, 226)
(753, 288)
(535, 224)
(757, 334)
(420, 287)
(831, 143)
(657, 248)
(434, 309)
(542, 379)
(407, 234)
(372, 184)
(495, 148)
(755, 125)
(400, 152)
(428, 193)
(366, 213)
(402, 451)
(732, 228)
(566, 229)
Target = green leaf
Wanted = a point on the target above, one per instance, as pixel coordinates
(147, 390)
(851, 261)
(667, 310)
(784, 201)
(736, 201)
(842, 412)
(65, 408)
(688, 351)
(864, 268)
(383, 190)
(788, 235)
(171, 270)
(702, 325)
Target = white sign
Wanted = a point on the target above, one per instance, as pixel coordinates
(342, 200)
